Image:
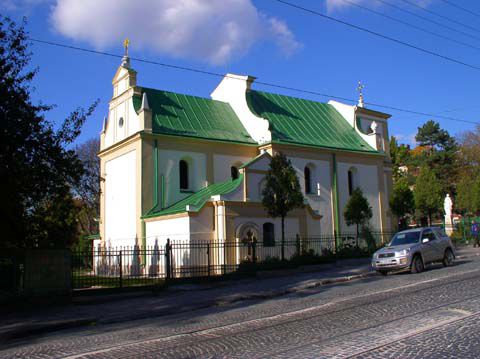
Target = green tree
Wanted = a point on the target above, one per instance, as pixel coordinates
(428, 193)
(468, 195)
(441, 153)
(37, 165)
(282, 191)
(87, 190)
(401, 201)
(357, 211)
(400, 156)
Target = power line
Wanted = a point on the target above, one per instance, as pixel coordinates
(461, 8)
(427, 19)
(440, 15)
(411, 25)
(267, 84)
(371, 32)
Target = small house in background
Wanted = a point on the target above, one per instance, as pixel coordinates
(190, 168)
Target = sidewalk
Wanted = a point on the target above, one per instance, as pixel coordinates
(113, 308)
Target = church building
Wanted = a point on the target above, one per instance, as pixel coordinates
(191, 168)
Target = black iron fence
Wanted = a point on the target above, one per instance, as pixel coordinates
(170, 260)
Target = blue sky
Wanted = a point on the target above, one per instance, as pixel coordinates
(262, 38)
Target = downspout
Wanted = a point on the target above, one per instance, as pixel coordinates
(155, 174)
(336, 209)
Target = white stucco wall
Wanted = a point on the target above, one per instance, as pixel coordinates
(120, 200)
(254, 189)
(222, 165)
(367, 179)
(201, 225)
(177, 229)
(232, 89)
(131, 123)
(169, 168)
(320, 176)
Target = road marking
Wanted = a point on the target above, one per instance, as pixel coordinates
(211, 331)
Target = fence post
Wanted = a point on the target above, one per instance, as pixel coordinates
(121, 267)
(254, 251)
(167, 260)
(297, 243)
(208, 258)
(224, 266)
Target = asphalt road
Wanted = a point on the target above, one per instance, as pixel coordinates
(435, 314)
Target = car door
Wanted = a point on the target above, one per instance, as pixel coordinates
(437, 245)
(429, 251)
(443, 240)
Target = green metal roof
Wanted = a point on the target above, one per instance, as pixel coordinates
(191, 116)
(304, 122)
(198, 199)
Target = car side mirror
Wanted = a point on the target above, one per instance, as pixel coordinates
(425, 240)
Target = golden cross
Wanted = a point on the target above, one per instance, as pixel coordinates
(125, 45)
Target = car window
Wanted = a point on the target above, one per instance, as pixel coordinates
(405, 238)
(439, 233)
(428, 233)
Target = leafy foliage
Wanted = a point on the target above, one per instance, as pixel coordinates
(37, 168)
(428, 193)
(401, 201)
(282, 191)
(357, 210)
(440, 153)
(400, 155)
(87, 190)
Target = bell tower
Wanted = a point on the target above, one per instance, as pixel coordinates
(125, 77)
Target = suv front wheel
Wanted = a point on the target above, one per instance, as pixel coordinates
(448, 258)
(417, 264)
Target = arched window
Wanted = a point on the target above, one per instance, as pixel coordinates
(234, 172)
(268, 234)
(352, 180)
(183, 174)
(308, 179)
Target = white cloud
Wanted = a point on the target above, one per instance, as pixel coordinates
(213, 31)
(284, 38)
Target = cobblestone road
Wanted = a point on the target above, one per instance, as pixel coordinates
(434, 314)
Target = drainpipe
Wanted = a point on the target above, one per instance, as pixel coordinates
(336, 209)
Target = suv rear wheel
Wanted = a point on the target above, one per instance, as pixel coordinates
(448, 258)
(417, 264)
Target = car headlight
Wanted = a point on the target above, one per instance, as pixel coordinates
(404, 252)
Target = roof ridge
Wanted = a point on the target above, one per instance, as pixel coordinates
(181, 94)
(295, 97)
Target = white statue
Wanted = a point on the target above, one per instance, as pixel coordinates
(373, 127)
(447, 206)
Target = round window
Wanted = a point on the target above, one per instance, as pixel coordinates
(120, 122)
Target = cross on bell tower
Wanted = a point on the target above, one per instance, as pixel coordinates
(360, 88)
(125, 58)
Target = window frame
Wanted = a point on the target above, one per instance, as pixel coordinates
(307, 181)
(268, 236)
(184, 175)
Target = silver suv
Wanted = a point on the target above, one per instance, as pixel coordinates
(414, 249)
